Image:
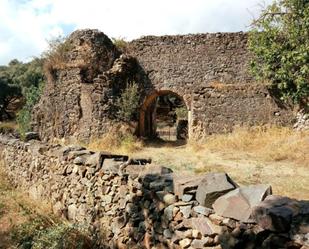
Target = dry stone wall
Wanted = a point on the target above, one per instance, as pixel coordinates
(208, 71)
(129, 203)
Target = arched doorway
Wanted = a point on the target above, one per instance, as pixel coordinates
(164, 115)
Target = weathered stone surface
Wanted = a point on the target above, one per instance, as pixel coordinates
(134, 170)
(276, 213)
(244, 199)
(212, 186)
(216, 219)
(111, 165)
(169, 199)
(229, 223)
(95, 160)
(169, 212)
(183, 183)
(186, 197)
(67, 149)
(79, 160)
(95, 74)
(203, 225)
(203, 210)
(117, 224)
(185, 243)
(155, 170)
(202, 243)
(186, 211)
(167, 233)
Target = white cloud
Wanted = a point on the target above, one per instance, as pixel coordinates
(26, 24)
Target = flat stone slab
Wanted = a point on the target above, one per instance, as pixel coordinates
(238, 204)
(212, 186)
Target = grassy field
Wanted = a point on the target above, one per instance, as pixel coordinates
(275, 155)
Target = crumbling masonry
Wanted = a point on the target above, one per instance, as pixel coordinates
(210, 72)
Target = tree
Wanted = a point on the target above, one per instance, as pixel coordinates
(8, 94)
(280, 44)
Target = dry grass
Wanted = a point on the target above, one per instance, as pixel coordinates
(262, 143)
(271, 155)
(25, 223)
(8, 127)
(116, 143)
(56, 56)
(16, 209)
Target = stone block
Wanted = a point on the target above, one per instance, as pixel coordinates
(275, 213)
(203, 210)
(184, 183)
(203, 225)
(212, 186)
(238, 204)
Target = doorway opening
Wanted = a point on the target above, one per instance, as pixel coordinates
(164, 116)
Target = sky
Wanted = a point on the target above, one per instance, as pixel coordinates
(27, 25)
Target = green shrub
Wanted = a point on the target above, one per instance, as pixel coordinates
(32, 96)
(40, 233)
(128, 102)
(61, 236)
(23, 235)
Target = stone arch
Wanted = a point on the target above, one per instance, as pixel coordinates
(147, 118)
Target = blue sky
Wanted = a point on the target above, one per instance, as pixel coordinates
(26, 25)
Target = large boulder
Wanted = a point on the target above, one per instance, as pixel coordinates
(276, 213)
(212, 186)
(238, 203)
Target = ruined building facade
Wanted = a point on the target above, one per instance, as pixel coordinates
(210, 72)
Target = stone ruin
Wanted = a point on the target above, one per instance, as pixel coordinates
(131, 203)
(209, 72)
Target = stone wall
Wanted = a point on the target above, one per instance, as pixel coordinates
(208, 71)
(131, 203)
(211, 73)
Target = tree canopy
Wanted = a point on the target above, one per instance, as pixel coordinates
(18, 80)
(280, 44)
(22, 74)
